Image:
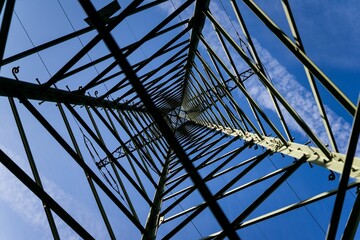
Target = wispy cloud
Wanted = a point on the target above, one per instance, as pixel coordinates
(232, 28)
(170, 6)
(300, 99)
(29, 208)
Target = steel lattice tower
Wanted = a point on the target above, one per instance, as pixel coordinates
(171, 143)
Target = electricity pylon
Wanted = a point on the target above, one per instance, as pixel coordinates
(171, 139)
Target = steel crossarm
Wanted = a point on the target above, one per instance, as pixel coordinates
(296, 150)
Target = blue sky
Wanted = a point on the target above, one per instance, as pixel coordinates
(330, 32)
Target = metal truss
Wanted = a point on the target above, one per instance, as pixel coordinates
(172, 142)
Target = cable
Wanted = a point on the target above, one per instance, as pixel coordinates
(242, 42)
(179, 15)
(82, 44)
(32, 43)
(238, 199)
(136, 40)
(298, 197)
(202, 236)
(222, 5)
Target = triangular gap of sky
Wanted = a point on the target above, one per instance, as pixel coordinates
(324, 42)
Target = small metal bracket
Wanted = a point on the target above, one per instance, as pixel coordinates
(160, 221)
(15, 70)
(331, 176)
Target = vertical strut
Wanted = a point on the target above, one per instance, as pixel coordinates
(153, 221)
(344, 179)
(5, 26)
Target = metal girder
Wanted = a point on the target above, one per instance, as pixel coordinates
(127, 11)
(90, 181)
(33, 166)
(154, 219)
(10, 87)
(44, 46)
(5, 25)
(197, 24)
(257, 60)
(213, 174)
(246, 93)
(108, 153)
(264, 195)
(296, 150)
(79, 161)
(206, 178)
(256, 161)
(348, 167)
(353, 221)
(288, 208)
(159, 52)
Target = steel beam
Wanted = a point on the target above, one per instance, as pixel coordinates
(345, 175)
(296, 150)
(9, 87)
(257, 60)
(291, 207)
(45, 46)
(90, 181)
(245, 92)
(33, 167)
(79, 161)
(98, 133)
(5, 26)
(154, 219)
(353, 221)
(237, 76)
(197, 24)
(199, 209)
(108, 153)
(220, 194)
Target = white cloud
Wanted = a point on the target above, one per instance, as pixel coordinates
(301, 100)
(29, 208)
(230, 25)
(170, 6)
